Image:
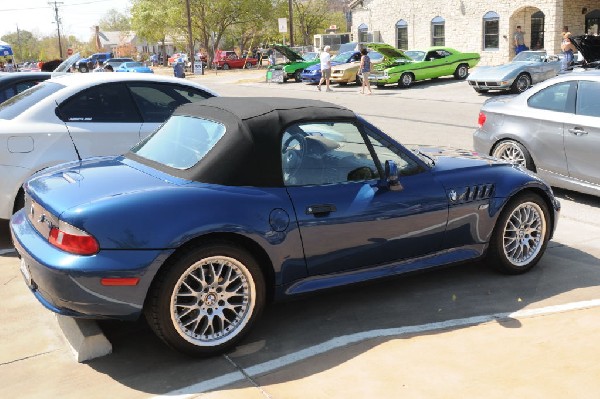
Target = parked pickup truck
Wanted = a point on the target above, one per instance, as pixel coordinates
(87, 64)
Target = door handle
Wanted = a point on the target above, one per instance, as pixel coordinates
(577, 131)
(320, 210)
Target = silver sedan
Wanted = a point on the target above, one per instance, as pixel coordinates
(552, 129)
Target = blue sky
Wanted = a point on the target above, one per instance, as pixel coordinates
(77, 16)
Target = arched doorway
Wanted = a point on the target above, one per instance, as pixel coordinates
(592, 21)
(537, 30)
(531, 20)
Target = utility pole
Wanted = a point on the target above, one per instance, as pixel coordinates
(57, 19)
(291, 23)
(191, 52)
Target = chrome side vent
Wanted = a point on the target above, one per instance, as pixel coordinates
(471, 193)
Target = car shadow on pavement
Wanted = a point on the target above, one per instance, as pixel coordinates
(142, 362)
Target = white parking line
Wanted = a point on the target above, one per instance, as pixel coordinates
(339, 342)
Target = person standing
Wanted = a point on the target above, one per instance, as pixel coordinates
(325, 69)
(568, 50)
(519, 41)
(9, 67)
(365, 70)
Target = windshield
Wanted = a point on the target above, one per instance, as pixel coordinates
(528, 56)
(181, 142)
(375, 56)
(343, 57)
(20, 103)
(415, 55)
(133, 65)
(310, 56)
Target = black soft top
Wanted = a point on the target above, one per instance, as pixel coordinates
(249, 154)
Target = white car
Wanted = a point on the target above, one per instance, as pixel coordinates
(76, 116)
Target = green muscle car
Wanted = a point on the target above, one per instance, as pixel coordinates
(405, 67)
(295, 65)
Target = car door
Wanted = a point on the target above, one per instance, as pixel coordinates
(157, 101)
(347, 218)
(582, 134)
(102, 120)
(543, 126)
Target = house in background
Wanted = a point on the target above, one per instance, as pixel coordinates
(128, 44)
(483, 26)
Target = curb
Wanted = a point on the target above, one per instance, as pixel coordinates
(86, 339)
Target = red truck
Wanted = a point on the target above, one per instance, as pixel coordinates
(229, 59)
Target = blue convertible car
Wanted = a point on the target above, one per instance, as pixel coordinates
(236, 201)
(312, 74)
(526, 69)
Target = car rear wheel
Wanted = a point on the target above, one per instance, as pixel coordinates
(521, 235)
(225, 66)
(248, 65)
(206, 299)
(462, 71)
(406, 80)
(521, 83)
(298, 75)
(83, 69)
(515, 152)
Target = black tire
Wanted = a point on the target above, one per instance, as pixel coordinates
(248, 65)
(515, 152)
(206, 299)
(298, 75)
(19, 201)
(521, 235)
(225, 67)
(521, 83)
(462, 71)
(83, 69)
(406, 80)
(358, 79)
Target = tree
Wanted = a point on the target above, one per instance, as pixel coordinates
(114, 20)
(154, 20)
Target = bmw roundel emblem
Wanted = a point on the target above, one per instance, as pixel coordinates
(452, 195)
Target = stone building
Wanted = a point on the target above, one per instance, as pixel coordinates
(483, 26)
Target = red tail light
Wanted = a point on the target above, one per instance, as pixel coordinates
(71, 239)
(482, 119)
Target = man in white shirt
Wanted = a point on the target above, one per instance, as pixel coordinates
(325, 68)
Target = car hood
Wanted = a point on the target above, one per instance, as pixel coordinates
(388, 51)
(589, 46)
(288, 52)
(497, 72)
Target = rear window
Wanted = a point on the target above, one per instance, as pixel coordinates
(181, 142)
(16, 105)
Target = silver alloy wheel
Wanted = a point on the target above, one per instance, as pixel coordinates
(524, 232)
(523, 83)
(510, 151)
(463, 71)
(212, 301)
(406, 79)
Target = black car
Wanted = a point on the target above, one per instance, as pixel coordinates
(13, 83)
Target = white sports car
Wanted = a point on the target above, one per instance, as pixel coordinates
(76, 116)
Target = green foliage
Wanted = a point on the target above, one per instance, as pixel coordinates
(27, 47)
(114, 20)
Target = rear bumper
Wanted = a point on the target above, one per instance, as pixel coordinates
(70, 284)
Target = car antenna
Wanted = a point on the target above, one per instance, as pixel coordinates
(61, 117)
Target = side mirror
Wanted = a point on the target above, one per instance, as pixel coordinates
(391, 176)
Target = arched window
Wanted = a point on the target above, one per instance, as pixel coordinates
(438, 31)
(491, 31)
(592, 20)
(402, 34)
(363, 30)
(537, 30)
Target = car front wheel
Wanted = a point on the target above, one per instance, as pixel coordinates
(512, 151)
(521, 235)
(521, 83)
(225, 66)
(206, 299)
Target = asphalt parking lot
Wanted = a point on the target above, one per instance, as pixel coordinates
(462, 331)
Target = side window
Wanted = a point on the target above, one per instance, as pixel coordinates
(104, 103)
(559, 97)
(325, 153)
(7, 93)
(587, 98)
(158, 101)
(388, 151)
(22, 86)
